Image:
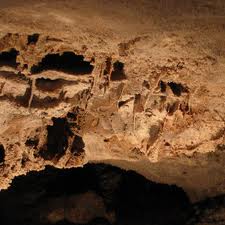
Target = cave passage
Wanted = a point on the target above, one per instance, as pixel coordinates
(67, 62)
(96, 194)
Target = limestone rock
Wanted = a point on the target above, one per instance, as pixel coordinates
(136, 84)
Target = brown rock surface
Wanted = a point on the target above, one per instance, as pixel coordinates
(137, 84)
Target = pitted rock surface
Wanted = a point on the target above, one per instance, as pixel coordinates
(136, 84)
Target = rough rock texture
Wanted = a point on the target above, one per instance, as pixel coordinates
(137, 84)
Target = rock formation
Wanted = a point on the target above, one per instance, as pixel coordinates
(135, 84)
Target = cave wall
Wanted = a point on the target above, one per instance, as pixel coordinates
(136, 84)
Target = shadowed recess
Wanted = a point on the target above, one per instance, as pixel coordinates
(45, 84)
(67, 62)
(32, 39)
(9, 58)
(177, 89)
(95, 194)
(2, 153)
(57, 140)
(118, 71)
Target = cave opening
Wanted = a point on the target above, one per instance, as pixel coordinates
(8, 58)
(67, 62)
(96, 194)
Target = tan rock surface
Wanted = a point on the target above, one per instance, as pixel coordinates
(137, 84)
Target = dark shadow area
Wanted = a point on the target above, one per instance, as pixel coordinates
(119, 197)
(32, 39)
(20, 100)
(45, 84)
(2, 153)
(177, 89)
(210, 211)
(68, 62)
(32, 142)
(24, 99)
(9, 58)
(17, 77)
(118, 72)
(97, 221)
(162, 86)
(77, 145)
(47, 102)
(57, 139)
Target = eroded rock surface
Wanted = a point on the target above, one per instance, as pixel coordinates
(135, 84)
